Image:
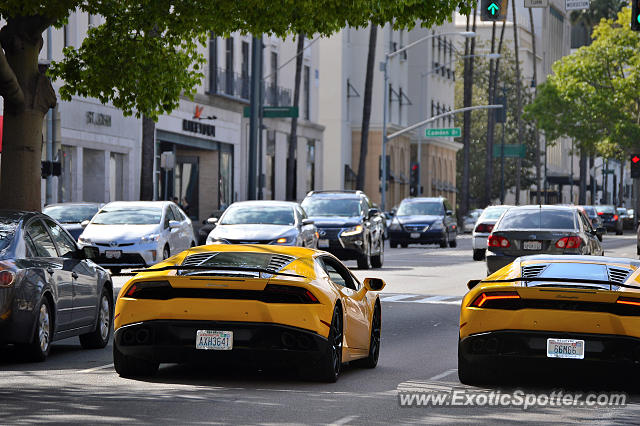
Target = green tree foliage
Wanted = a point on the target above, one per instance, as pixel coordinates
(594, 94)
(506, 78)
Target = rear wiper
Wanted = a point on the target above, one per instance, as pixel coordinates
(218, 268)
(563, 280)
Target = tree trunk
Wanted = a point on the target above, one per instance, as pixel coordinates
(491, 122)
(469, 48)
(28, 95)
(518, 99)
(366, 108)
(582, 197)
(536, 132)
(147, 158)
(293, 136)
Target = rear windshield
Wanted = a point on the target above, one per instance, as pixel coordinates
(605, 209)
(537, 219)
(493, 212)
(240, 260)
(422, 209)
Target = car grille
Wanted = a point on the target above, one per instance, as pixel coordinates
(618, 275)
(416, 228)
(329, 233)
(279, 261)
(532, 270)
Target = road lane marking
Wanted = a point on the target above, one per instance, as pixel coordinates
(433, 299)
(421, 298)
(344, 420)
(397, 297)
(91, 370)
(442, 375)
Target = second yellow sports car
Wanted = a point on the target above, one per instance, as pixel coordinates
(248, 302)
(556, 310)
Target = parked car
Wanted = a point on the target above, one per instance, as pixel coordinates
(207, 226)
(596, 220)
(264, 222)
(49, 288)
(132, 234)
(469, 221)
(529, 230)
(610, 218)
(423, 221)
(73, 216)
(349, 226)
(484, 226)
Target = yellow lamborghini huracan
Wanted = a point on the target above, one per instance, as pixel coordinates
(252, 303)
(551, 309)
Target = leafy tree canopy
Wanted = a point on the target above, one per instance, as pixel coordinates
(594, 94)
(146, 53)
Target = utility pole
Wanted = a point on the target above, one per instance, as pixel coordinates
(254, 119)
(535, 127)
(466, 133)
(518, 99)
(504, 123)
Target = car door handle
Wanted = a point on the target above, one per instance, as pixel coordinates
(50, 271)
(74, 275)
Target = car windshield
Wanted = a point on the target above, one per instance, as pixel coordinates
(71, 214)
(264, 215)
(128, 216)
(605, 209)
(8, 229)
(345, 207)
(537, 219)
(493, 212)
(421, 208)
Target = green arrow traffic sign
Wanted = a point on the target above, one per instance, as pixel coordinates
(493, 8)
(453, 132)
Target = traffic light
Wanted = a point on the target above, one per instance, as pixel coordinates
(413, 184)
(501, 113)
(635, 15)
(635, 166)
(50, 168)
(495, 10)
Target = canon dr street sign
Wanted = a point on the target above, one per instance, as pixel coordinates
(454, 132)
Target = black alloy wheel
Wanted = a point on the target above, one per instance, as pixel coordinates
(331, 364)
(371, 361)
(99, 337)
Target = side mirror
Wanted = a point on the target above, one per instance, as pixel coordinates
(212, 220)
(174, 224)
(449, 212)
(90, 252)
(372, 212)
(84, 223)
(306, 222)
(472, 283)
(374, 284)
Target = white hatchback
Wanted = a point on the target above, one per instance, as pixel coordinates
(132, 234)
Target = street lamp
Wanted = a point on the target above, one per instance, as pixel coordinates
(385, 69)
(423, 95)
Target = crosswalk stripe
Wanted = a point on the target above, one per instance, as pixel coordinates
(419, 298)
(397, 297)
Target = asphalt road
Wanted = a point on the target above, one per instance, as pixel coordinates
(419, 338)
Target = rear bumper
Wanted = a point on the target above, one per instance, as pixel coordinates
(175, 341)
(428, 237)
(515, 345)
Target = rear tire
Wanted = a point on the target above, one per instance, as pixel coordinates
(99, 337)
(453, 243)
(127, 366)
(471, 373)
(445, 241)
(40, 347)
(478, 254)
(394, 244)
(371, 361)
(331, 363)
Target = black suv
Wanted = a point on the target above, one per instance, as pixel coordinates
(349, 226)
(423, 221)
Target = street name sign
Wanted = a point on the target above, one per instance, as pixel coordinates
(510, 151)
(577, 4)
(453, 132)
(536, 3)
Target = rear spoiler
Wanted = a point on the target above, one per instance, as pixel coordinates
(611, 284)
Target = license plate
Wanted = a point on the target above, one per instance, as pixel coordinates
(565, 348)
(532, 245)
(323, 243)
(211, 340)
(112, 254)
(415, 235)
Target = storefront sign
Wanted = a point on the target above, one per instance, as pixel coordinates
(577, 4)
(195, 127)
(98, 119)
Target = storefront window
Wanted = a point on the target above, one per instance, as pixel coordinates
(226, 176)
(186, 185)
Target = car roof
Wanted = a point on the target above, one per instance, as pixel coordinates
(422, 199)
(545, 207)
(336, 194)
(76, 203)
(158, 204)
(274, 203)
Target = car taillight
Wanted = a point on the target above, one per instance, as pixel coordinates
(276, 293)
(628, 301)
(569, 242)
(150, 290)
(484, 228)
(615, 217)
(498, 241)
(495, 299)
(600, 213)
(6, 278)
